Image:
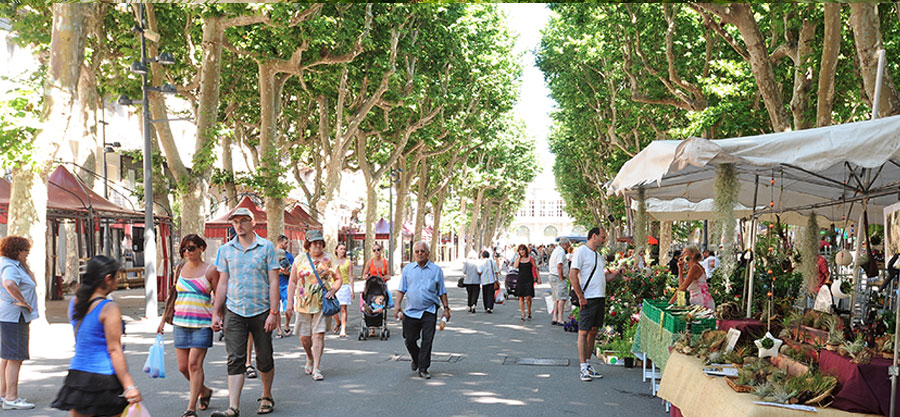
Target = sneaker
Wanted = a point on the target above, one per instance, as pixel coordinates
(585, 375)
(414, 366)
(593, 373)
(424, 374)
(18, 404)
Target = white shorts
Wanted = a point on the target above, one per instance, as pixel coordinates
(309, 324)
(343, 295)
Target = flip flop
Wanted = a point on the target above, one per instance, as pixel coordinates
(204, 401)
(266, 405)
(308, 369)
(251, 372)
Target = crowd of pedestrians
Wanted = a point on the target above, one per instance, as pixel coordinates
(251, 284)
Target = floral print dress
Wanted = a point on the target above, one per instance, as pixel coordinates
(699, 290)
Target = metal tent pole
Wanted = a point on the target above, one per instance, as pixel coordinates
(751, 266)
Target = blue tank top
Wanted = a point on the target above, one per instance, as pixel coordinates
(91, 354)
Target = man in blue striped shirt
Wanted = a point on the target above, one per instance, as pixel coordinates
(247, 303)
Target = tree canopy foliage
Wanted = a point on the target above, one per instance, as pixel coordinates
(627, 74)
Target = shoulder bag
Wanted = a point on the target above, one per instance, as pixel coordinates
(574, 297)
(330, 306)
(169, 311)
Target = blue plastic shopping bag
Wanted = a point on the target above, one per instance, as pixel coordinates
(155, 366)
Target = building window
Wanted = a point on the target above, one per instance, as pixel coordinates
(560, 205)
(531, 208)
(579, 231)
(551, 231)
(523, 233)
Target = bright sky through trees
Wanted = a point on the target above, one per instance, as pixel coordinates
(535, 104)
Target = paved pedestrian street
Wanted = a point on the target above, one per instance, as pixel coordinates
(479, 369)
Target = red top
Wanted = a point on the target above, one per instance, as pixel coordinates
(377, 270)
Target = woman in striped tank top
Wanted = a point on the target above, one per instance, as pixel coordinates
(189, 310)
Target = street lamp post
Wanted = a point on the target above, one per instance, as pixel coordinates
(107, 148)
(394, 178)
(141, 68)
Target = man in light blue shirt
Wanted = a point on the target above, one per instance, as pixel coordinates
(422, 283)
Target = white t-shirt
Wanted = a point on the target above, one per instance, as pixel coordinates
(584, 259)
(710, 264)
(558, 256)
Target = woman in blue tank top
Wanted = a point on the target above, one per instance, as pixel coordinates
(98, 372)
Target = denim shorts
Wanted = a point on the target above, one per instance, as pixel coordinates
(14, 340)
(190, 337)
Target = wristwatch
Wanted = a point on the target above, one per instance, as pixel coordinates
(273, 312)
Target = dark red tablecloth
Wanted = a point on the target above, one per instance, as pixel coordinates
(675, 412)
(863, 388)
(751, 329)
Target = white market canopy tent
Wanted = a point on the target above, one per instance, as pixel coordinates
(827, 170)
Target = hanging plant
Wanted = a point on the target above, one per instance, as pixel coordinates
(809, 253)
(726, 191)
(640, 222)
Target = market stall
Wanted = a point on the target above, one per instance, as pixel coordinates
(694, 394)
(844, 174)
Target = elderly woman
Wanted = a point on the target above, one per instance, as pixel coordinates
(306, 298)
(692, 277)
(18, 307)
(471, 279)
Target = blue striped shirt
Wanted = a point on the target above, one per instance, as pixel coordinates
(248, 275)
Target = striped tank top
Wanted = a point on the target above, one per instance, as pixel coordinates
(193, 305)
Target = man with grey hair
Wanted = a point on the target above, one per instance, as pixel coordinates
(422, 283)
(559, 270)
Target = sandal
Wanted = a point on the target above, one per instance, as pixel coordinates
(251, 372)
(230, 412)
(317, 375)
(189, 413)
(266, 405)
(204, 401)
(308, 369)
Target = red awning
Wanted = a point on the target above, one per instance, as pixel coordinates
(308, 221)
(218, 228)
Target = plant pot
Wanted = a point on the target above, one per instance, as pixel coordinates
(629, 362)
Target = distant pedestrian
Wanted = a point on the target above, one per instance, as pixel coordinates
(345, 293)
(189, 310)
(471, 280)
(422, 283)
(673, 263)
(18, 307)
(378, 265)
(559, 271)
(488, 273)
(247, 303)
(528, 276)
(306, 297)
(98, 371)
(285, 260)
(588, 277)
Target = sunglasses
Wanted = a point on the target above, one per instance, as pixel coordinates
(420, 251)
(190, 248)
(377, 250)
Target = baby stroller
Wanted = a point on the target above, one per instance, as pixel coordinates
(375, 286)
(511, 279)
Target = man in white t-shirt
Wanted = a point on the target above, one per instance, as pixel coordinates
(559, 269)
(588, 277)
(709, 263)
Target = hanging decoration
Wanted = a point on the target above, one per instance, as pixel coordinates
(640, 222)
(809, 254)
(768, 345)
(726, 191)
